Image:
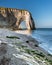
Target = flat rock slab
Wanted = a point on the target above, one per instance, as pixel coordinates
(12, 49)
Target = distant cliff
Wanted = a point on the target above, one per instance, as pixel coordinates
(12, 18)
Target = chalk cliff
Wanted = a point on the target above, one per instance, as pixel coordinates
(12, 18)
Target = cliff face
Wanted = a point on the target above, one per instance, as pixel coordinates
(11, 18)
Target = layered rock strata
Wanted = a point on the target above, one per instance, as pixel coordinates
(12, 18)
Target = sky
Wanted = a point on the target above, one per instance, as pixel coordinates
(41, 10)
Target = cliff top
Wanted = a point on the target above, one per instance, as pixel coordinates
(4, 8)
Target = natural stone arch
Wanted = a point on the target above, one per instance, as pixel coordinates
(13, 18)
(28, 20)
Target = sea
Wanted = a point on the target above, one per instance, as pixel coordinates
(43, 36)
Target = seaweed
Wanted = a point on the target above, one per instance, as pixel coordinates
(12, 37)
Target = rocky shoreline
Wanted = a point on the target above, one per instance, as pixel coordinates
(19, 49)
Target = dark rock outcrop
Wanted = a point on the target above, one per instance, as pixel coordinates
(11, 18)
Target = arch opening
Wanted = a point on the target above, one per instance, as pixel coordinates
(22, 25)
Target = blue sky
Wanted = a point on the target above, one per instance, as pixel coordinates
(41, 10)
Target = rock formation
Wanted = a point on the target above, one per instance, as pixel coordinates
(12, 18)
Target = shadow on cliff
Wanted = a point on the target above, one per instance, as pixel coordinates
(11, 19)
(2, 18)
(8, 19)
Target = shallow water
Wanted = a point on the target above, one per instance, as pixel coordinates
(44, 36)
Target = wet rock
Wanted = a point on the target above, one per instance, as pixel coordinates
(3, 48)
(4, 61)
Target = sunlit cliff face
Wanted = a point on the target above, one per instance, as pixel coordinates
(12, 18)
